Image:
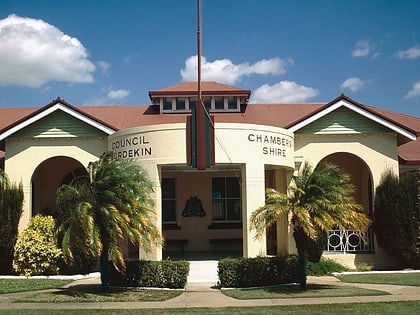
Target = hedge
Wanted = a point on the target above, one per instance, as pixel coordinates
(259, 271)
(11, 208)
(157, 274)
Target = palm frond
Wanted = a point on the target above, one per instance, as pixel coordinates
(276, 205)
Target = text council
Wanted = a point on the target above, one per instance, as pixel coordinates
(131, 147)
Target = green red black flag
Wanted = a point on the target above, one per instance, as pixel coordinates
(200, 137)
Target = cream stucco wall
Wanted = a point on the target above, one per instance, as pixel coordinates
(24, 155)
(378, 151)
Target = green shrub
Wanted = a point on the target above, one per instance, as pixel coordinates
(158, 274)
(36, 250)
(259, 271)
(324, 267)
(11, 207)
(397, 217)
(364, 267)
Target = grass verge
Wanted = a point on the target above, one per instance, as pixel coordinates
(412, 279)
(385, 308)
(23, 285)
(92, 293)
(294, 291)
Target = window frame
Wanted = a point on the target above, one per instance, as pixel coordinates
(226, 199)
(171, 198)
(209, 102)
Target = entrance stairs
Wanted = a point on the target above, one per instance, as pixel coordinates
(203, 271)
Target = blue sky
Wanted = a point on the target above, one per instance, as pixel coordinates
(93, 52)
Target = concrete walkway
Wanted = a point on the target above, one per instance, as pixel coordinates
(206, 295)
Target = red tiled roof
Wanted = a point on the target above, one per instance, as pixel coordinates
(127, 116)
(207, 88)
(278, 115)
(408, 122)
(10, 115)
(409, 153)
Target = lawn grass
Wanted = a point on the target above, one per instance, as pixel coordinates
(294, 291)
(383, 308)
(92, 293)
(28, 284)
(412, 279)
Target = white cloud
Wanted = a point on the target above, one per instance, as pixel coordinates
(118, 94)
(415, 91)
(410, 53)
(354, 84)
(104, 66)
(107, 96)
(33, 52)
(363, 49)
(225, 71)
(283, 92)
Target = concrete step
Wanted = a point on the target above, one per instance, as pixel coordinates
(203, 271)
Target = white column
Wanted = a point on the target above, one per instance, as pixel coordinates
(154, 173)
(253, 192)
(284, 232)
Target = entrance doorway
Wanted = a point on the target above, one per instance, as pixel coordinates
(345, 241)
(48, 176)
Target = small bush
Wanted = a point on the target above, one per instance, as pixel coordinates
(259, 271)
(364, 267)
(36, 250)
(324, 267)
(158, 274)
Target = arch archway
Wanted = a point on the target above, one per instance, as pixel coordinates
(48, 176)
(361, 177)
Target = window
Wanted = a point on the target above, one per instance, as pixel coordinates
(219, 102)
(226, 199)
(167, 103)
(207, 101)
(192, 101)
(184, 104)
(232, 102)
(168, 200)
(180, 103)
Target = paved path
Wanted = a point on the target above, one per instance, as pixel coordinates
(205, 295)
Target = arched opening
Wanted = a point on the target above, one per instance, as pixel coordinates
(48, 176)
(361, 177)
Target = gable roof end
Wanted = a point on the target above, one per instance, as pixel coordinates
(57, 104)
(345, 101)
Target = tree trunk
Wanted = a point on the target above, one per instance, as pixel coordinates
(302, 269)
(301, 246)
(104, 267)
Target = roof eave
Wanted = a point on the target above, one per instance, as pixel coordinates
(244, 93)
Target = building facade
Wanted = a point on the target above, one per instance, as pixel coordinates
(243, 149)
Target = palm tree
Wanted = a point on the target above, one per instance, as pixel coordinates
(318, 201)
(3, 180)
(112, 205)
